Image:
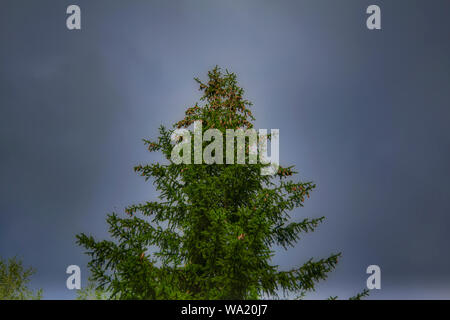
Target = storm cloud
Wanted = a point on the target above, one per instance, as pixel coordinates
(364, 114)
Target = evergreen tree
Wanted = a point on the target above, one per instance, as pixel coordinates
(211, 234)
(14, 279)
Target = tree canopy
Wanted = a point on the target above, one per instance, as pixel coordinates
(14, 280)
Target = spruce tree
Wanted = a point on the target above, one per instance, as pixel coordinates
(211, 234)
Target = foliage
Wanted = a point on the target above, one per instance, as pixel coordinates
(359, 296)
(14, 279)
(92, 292)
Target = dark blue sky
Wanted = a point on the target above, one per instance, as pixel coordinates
(364, 114)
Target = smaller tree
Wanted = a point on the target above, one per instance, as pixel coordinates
(14, 279)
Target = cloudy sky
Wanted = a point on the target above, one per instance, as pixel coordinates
(363, 113)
